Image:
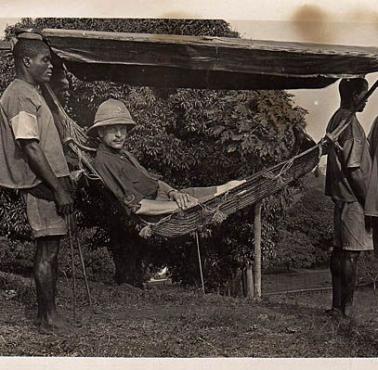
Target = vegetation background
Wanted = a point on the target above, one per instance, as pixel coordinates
(188, 137)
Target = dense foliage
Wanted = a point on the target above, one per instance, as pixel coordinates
(306, 233)
(191, 137)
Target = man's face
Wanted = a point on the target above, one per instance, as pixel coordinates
(40, 66)
(113, 136)
(61, 88)
(357, 98)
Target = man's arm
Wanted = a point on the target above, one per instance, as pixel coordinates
(358, 184)
(156, 207)
(182, 199)
(40, 166)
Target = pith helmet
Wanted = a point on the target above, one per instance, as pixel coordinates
(111, 112)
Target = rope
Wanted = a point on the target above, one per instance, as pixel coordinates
(283, 171)
(148, 230)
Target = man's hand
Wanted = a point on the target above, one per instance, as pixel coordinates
(41, 167)
(63, 201)
(183, 200)
(368, 224)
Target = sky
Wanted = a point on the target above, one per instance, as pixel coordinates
(320, 21)
(276, 10)
(320, 103)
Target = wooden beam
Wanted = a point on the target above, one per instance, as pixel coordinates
(257, 264)
(206, 62)
(249, 281)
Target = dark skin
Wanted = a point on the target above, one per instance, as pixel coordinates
(357, 180)
(343, 264)
(37, 70)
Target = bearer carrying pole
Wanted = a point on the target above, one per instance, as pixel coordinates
(332, 138)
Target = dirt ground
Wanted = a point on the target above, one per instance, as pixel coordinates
(168, 321)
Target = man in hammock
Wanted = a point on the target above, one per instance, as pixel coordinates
(137, 189)
(32, 159)
(348, 172)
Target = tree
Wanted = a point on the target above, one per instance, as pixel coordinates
(191, 137)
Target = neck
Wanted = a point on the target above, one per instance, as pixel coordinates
(347, 106)
(27, 78)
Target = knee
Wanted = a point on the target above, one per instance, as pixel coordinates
(42, 267)
(351, 256)
(46, 256)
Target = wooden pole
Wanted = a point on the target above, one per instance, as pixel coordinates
(249, 281)
(257, 264)
(69, 227)
(200, 262)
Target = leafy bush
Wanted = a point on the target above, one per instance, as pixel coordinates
(305, 235)
(368, 269)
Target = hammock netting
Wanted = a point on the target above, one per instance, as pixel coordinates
(257, 187)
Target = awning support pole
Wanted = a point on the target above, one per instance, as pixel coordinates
(257, 259)
(200, 262)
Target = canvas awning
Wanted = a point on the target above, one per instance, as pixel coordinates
(206, 62)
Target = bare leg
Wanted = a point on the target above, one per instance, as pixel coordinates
(335, 267)
(45, 275)
(348, 280)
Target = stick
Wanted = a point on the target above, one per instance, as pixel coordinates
(257, 267)
(200, 262)
(68, 222)
(83, 266)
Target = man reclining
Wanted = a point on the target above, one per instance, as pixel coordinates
(132, 184)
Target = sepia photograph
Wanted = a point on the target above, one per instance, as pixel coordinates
(188, 183)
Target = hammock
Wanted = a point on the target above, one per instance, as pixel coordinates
(256, 187)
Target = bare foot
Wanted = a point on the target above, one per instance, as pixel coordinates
(56, 325)
(335, 312)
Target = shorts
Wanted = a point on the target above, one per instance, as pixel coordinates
(43, 217)
(350, 230)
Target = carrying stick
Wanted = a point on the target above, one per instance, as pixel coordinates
(74, 241)
(84, 270)
(69, 227)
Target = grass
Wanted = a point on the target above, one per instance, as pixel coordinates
(169, 321)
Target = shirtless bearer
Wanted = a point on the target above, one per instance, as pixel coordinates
(36, 164)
